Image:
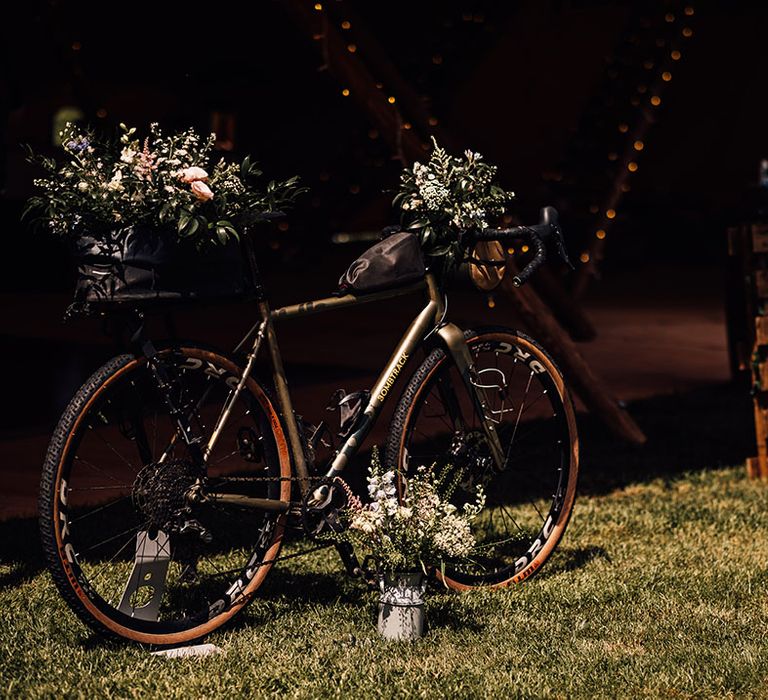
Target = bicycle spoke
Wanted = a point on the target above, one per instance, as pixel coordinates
(97, 469)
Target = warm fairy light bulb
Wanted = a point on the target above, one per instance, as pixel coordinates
(76, 46)
(632, 166)
(433, 121)
(354, 189)
(623, 128)
(648, 64)
(600, 233)
(655, 100)
(491, 301)
(666, 76)
(352, 48)
(406, 125)
(318, 6)
(676, 55)
(345, 92)
(525, 249)
(689, 11)
(669, 17)
(613, 156)
(639, 145)
(642, 89)
(346, 24)
(391, 99)
(510, 251)
(584, 257)
(594, 209)
(610, 214)
(687, 32)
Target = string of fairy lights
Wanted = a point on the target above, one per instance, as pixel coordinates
(648, 99)
(412, 117)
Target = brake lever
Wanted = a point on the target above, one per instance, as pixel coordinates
(560, 247)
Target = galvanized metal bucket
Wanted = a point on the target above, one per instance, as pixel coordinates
(401, 606)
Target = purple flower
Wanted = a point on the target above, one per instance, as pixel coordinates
(78, 146)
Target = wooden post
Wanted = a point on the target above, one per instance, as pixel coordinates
(580, 376)
(748, 327)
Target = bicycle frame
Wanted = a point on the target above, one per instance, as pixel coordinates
(428, 320)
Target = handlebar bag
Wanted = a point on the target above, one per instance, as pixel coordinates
(138, 264)
(393, 262)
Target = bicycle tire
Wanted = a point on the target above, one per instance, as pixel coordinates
(70, 519)
(515, 556)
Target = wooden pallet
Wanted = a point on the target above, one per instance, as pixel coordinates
(748, 326)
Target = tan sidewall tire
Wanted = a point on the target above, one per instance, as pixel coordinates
(529, 345)
(270, 554)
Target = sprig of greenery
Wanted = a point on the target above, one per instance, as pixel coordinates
(164, 181)
(446, 196)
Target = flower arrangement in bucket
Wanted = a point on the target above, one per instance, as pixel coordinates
(409, 528)
(131, 203)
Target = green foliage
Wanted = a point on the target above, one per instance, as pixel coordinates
(447, 196)
(657, 591)
(165, 181)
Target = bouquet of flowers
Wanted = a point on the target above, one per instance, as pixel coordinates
(166, 182)
(440, 199)
(418, 529)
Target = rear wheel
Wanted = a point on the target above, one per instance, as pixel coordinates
(132, 551)
(528, 501)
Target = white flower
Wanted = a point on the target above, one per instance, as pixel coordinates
(193, 174)
(127, 155)
(82, 186)
(116, 183)
(201, 190)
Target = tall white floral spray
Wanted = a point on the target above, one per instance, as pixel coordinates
(447, 195)
(410, 523)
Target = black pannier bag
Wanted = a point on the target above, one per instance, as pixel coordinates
(138, 264)
(393, 262)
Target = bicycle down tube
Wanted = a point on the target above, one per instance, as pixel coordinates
(428, 318)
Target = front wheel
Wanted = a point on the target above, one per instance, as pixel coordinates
(530, 498)
(133, 554)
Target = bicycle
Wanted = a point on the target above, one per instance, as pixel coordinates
(174, 473)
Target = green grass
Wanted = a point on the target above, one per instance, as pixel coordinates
(658, 590)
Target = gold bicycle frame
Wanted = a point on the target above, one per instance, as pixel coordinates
(429, 318)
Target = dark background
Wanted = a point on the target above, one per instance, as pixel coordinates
(540, 88)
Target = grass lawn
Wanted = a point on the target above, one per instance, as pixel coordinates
(658, 590)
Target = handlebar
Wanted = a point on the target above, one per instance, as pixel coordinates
(538, 235)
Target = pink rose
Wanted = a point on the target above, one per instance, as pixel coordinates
(193, 174)
(201, 190)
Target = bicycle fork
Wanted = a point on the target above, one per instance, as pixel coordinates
(457, 347)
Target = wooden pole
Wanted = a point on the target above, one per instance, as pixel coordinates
(590, 258)
(354, 78)
(589, 387)
(566, 309)
(348, 68)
